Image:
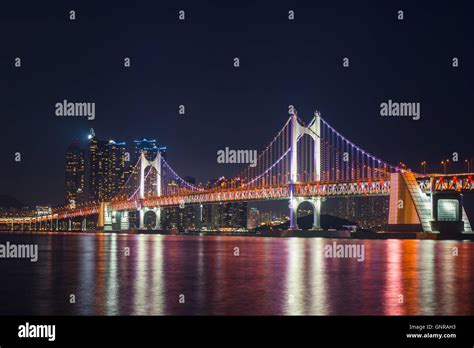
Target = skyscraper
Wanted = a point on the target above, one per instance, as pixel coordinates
(108, 169)
(98, 167)
(117, 168)
(74, 173)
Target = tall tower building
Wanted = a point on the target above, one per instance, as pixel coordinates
(98, 167)
(74, 173)
(117, 168)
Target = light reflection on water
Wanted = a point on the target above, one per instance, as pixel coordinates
(271, 276)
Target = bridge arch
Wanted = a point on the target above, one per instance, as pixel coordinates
(314, 202)
(150, 218)
(147, 214)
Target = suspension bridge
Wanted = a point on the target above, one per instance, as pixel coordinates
(303, 163)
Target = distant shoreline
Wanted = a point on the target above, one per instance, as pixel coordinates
(325, 234)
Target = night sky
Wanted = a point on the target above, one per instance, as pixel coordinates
(190, 62)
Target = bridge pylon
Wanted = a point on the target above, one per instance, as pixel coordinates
(156, 163)
(297, 131)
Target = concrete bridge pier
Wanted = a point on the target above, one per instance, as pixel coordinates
(448, 215)
(157, 211)
(316, 203)
(124, 221)
(108, 219)
(141, 218)
(293, 205)
(412, 210)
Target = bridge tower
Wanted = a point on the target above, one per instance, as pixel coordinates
(156, 163)
(297, 130)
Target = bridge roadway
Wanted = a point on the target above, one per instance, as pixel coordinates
(428, 183)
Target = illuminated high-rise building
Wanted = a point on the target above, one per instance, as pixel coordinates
(223, 215)
(98, 168)
(368, 212)
(74, 173)
(253, 218)
(117, 168)
(182, 217)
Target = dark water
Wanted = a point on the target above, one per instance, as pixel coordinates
(271, 276)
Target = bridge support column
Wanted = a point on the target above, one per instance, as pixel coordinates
(409, 207)
(448, 215)
(124, 221)
(293, 212)
(316, 203)
(84, 224)
(69, 228)
(107, 219)
(141, 218)
(158, 218)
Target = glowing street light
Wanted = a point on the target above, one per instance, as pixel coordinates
(468, 163)
(444, 165)
(423, 165)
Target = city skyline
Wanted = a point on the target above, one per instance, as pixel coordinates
(220, 105)
(298, 163)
